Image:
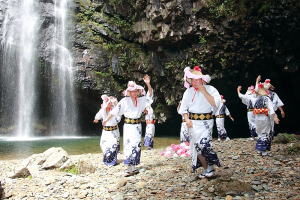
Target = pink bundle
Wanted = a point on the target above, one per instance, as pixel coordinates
(175, 150)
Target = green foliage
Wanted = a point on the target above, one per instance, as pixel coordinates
(29, 177)
(294, 148)
(202, 39)
(285, 138)
(72, 170)
(227, 8)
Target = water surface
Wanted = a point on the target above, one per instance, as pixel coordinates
(16, 148)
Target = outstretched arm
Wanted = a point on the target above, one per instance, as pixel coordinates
(147, 81)
(258, 79)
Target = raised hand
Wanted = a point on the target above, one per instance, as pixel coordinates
(146, 79)
(258, 78)
(239, 88)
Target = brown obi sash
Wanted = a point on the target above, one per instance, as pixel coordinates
(150, 121)
(220, 116)
(110, 128)
(132, 121)
(183, 120)
(250, 110)
(200, 116)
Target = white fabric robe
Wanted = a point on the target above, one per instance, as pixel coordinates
(221, 110)
(184, 132)
(201, 132)
(249, 101)
(276, 103)
(264, 123)
(132, 133)
(110, 140)
(150, 128)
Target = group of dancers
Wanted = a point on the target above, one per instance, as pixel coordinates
(200, 104)
(132, 106)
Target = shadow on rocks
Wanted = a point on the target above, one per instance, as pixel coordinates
(1, 191)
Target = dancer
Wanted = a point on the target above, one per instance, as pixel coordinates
(264, 115)
(132, 106)
(184, 132)
(197, 105)
(220, 114)
(150, 127)
(249, 99)
(277, 103)
(110, 138)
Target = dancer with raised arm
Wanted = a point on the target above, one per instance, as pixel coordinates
(132, 106)
(249, 99)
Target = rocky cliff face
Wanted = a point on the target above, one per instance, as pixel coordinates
(233, 40)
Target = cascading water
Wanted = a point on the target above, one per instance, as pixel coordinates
(18, 70)
(19, 89)
(63, 99)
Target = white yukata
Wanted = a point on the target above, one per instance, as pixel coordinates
(194, 102)
(264, 123)
(249, 101)
(221, 112)
(276, 103)
(150, 127)
(184, 132)
(110, 138)
(132, 132)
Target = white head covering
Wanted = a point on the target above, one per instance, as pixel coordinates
(108, 99)
(194, 74)
(132, 86)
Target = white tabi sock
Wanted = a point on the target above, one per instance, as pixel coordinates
(210, 168)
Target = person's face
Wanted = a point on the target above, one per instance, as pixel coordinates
(133, 94)
(197, 82)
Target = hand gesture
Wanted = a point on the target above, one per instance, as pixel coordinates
(189, 124)
(104, 122)
(232, 119)
(282, 114)
(276, 120)
(239, 88)
(146, 79)
(201, 88)
(96, 121)
(258, 78)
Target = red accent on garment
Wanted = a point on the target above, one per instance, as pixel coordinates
(196, 89)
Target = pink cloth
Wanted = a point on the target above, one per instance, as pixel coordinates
(177, 150)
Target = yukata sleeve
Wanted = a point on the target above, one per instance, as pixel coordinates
(99, 115)
(149, 98)
(279, 103)
(244, 98)
(119, 109)
(270, 106)
(227, 111)
(216, 95)
(184, 106)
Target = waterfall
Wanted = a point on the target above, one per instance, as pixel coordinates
(19, 70)
(63, 99)
(20, 67)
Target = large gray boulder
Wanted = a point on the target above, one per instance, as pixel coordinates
(54, 157)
